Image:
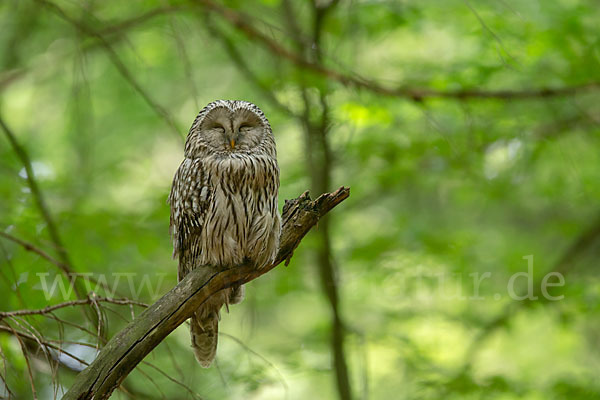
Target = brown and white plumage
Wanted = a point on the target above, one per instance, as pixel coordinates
(224, 204)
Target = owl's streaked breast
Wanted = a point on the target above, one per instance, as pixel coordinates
(242, 220)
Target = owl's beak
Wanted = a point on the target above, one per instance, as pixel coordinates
(232, 143)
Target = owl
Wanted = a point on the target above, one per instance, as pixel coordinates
(224, 205)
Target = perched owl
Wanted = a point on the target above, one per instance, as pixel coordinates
(224, 205)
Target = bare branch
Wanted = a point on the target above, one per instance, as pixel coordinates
(240, 63)
(244, 24)
(36, 343)
(284, 384)
(65, 264)
(3, 375)
(89, 300)
(34, 249)
(116, 60)
(128, 24)
(177, 382)
(185, 60)
(45, 343)
(128, 347)
(26, 357)
(112, 32)
(320, 161)
(62, 266)
(8, 77)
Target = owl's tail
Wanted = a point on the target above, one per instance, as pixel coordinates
(205, 334)
(204, 324)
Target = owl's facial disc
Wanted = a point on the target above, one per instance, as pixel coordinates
(240, 130)
(249, 129)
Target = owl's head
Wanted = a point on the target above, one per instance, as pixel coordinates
(227, 127)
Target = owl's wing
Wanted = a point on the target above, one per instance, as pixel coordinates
(189, 203)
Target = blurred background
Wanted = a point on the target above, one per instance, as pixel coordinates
(464, 265)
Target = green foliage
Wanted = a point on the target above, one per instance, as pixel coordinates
(441, 189)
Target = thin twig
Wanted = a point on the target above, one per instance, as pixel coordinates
(89, 300)
(60, 322)
(491, 32)
(152, 381)
(28, 246)
(45, 343)
(286, 388)
(15, 281)
(24, 351)
(65, 264)
(3, 375)
(185, 60)
(237, 58)
(116, 60)
(32, 248)
(169, 377)
(320, 162)
(128, 24)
